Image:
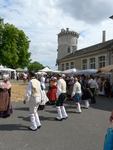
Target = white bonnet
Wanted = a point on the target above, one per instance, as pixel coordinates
(5, 77)
(54, 78)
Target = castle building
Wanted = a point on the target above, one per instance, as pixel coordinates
(67, 43)
(92, 57)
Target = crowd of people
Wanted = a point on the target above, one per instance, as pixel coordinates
(61, 87)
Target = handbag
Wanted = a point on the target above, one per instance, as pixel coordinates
(108, 144)
(90, 92)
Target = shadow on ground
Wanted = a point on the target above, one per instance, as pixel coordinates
(22, 108)
(102, 103)
(12, 127)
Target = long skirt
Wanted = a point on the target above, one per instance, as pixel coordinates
(44, 100)
(5, 104)
(52, 95)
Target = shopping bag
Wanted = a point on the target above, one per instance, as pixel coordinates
(108, 144)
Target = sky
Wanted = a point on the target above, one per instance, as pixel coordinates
(42, 20)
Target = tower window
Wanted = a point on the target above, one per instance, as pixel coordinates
(74, 48)
(68, 50)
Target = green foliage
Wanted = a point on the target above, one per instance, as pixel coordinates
(36, 66)
(13, 47)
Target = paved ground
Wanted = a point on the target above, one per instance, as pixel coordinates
(79, 132)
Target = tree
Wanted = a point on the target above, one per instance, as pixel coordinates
(14, 46)
(1, 34)
(36, 66)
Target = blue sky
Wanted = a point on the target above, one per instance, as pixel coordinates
(42, 20)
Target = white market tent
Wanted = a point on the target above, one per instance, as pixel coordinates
(46, 69)
(70, 71)
(87, 71)
(7, 70)
(39, 73)
(57, 71)
(91, 72)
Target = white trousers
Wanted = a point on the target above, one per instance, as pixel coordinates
(33, 104)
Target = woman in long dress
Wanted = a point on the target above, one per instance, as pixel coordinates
(52, 92)
(85, 94)
(107, 88)
(101, 88)
(5, 97)
(43, 94)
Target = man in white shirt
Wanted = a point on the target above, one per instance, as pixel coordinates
(61, 96)
(93, 85)
(24, 77)
(77, 93)
(34, 92)
(17, 76)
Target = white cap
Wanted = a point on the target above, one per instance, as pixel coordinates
(54, 78)
(63, 75)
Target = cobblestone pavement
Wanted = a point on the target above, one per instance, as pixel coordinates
(85, 131)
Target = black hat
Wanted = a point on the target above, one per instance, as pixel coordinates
(83, 76)
(32, 73)
(59, 75)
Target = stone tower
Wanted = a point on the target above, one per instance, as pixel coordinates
(67, 43)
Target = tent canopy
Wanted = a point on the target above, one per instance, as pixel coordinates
(20, 70)
(7, 69)
(70, 71)
(39, 73)
(57, 71)
(46, 69)
(87, 71)
(108, 68)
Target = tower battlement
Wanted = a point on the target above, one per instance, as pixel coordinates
(64, 32)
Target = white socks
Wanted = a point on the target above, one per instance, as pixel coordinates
(32, 119)
(64, 114)
(78, 108)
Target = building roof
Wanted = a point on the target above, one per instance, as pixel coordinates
(90, 49)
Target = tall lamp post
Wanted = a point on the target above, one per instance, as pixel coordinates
(111, 17)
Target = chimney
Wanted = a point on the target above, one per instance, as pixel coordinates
(103, 36)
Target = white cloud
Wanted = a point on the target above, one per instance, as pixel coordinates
(42, 20)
